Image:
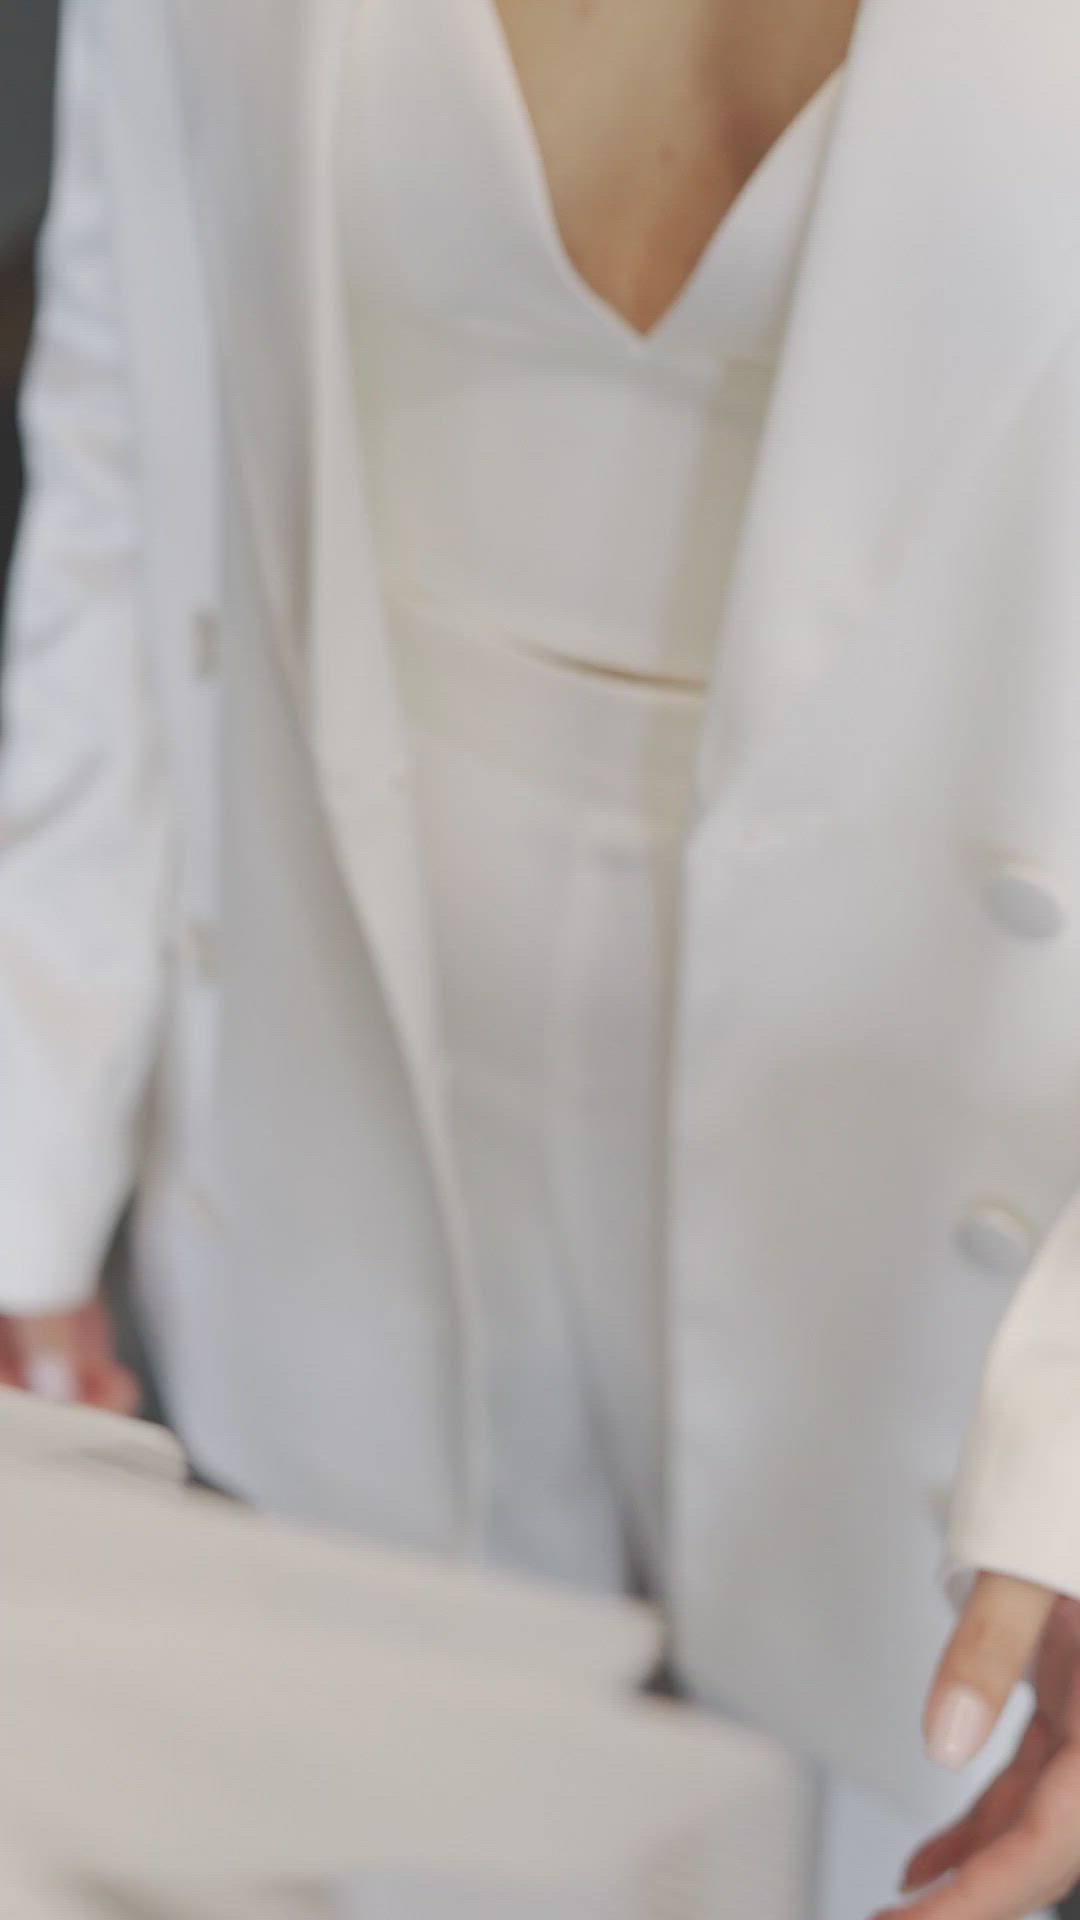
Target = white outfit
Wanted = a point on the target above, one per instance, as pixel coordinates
(556, 503)
(223, 990)
(548, 488)
(552, 816)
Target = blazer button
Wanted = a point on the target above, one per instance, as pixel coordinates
(205, 644)
(204, 950)
(1025, 901)
(997, 1238)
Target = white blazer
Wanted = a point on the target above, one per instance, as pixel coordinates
(221, 988)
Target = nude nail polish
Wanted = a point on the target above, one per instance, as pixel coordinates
(960, 1726)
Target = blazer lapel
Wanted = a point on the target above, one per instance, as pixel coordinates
(262, 99)
(357, 734)
(356, 727)
(264, 150)
(954, 150)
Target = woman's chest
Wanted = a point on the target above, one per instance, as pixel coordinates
(650, 119)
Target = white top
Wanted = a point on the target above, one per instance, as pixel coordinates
(539, 470)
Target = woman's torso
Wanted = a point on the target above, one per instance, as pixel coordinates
(540, 469)
(650, 117)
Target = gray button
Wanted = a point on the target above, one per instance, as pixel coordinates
(206, 643)
(204, 949)
(997, 1238)
(203, 1206)
(1025, 900)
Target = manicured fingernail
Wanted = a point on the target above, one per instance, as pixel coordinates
(960, 1726)
(50, 1376)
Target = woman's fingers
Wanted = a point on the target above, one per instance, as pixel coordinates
(47, 1350)
(1019, 1848)
(1032, 1865)
(999, 1808)
(113, 1389)
(104, 1382)
(68, 1358)
(9, 1361)
(989, 1654)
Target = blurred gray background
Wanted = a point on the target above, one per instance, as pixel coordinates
(27, 30)
(27, 37)
(27, 50)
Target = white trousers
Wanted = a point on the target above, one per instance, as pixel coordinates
(552, 807)
(553, 804)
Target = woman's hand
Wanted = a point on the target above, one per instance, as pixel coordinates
(67, 1358)
(1019, 1847)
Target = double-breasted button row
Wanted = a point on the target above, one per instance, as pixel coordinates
(205, 643)
(200, 943)
(1025, 899)
(202, 950)
(997, 1237)
(1020, 897)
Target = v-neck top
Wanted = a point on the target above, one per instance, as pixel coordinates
(540, 471)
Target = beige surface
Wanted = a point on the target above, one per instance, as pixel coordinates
(195, 1697)
(29, 1896)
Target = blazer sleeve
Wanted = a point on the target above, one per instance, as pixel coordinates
(1016, 1506)
(84, 842)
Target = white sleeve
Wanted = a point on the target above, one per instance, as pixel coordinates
(1016, 1508)
(84, 846)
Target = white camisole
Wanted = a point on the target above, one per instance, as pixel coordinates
(540, 471)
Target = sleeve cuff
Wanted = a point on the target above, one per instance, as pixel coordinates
(1016, 1507)
(52, 1247)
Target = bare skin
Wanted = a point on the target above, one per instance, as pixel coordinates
(650, 117)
